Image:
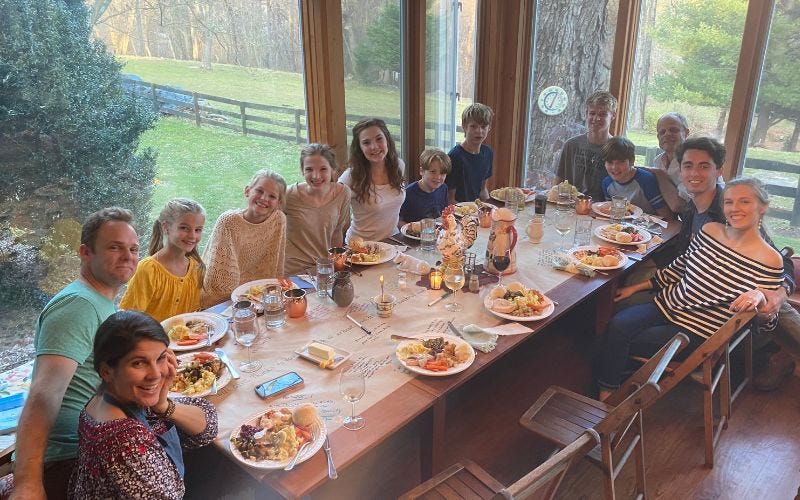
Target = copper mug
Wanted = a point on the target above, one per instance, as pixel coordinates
(583, 206)
(485, 216)
(296, 302)
(339, 257)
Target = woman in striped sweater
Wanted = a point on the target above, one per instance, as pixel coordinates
(722, 272)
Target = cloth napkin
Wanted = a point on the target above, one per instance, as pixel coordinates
(478, 338)
(564, 263)
(412, 264)
(654, 241)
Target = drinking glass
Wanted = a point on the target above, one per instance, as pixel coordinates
(564, 221)
(246, 331)
(427, 235)
(583, 231)
(352, 387)
(619, 205)
(274, 306)
(501, 261)
(324, 272)
(454, 278)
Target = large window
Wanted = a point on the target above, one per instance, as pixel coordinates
(372, 63)
(572, 49)
(772, 152)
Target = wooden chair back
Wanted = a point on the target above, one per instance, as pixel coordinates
(544, 480)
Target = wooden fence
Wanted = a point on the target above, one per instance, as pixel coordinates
(289, 124)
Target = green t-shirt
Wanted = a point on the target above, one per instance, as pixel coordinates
(67, 327)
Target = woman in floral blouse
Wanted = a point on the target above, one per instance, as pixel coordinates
(130, 434)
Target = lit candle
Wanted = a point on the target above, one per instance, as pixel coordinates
(382, 297)
(436, 279)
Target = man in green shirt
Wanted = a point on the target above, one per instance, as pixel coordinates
(63, 376)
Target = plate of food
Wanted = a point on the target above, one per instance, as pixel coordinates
(435, 355)
(600, 258)
(622, 234)
(370, 253)
(254, 290)
(466, 208)
(324, 355)
(270, 439)
(604, 208)
(190, 330)
(552, 195)
(197, 373)
(517, 302)
(500, 193)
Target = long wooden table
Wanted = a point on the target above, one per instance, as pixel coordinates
(407, 398)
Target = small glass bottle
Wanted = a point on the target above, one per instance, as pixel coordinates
(474, 284)
(401, 280)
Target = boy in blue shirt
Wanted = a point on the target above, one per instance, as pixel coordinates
(638, 185)
(427, 197)
(472, 160)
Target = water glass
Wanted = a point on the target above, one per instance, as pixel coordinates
(324, 272)
(619, 205)
(246, 331)
(427, 235)
(535, 228)
(274, 307)
(583, 232)
(513, 199)
(564, 194)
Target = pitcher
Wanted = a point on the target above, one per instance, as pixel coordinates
(502, 240)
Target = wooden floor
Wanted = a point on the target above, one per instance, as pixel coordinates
(758, 456)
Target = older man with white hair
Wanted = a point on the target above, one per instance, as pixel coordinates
(672, 129)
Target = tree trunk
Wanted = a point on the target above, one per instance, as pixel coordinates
(723, 117)
(641, 74)
(138, 36)
(792, 144)
(759, 134)
(572, 53)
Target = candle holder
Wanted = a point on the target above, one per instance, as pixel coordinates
(436, 279)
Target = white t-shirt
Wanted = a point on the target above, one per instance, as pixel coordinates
(376, 218)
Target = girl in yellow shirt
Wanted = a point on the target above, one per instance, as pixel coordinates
(168, 282)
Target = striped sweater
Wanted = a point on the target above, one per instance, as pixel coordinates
(697, 289)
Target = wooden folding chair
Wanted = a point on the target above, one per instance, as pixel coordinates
(713, 360)
(469, 480)
(560, 416)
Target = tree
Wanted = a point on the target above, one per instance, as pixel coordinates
(701, 42)
(378, 54)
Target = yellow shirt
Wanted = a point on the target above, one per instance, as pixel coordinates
(161, 294)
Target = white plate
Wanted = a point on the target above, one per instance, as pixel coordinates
(467, 204)
(598, 231)
(547, 311)
(219, 327)
(222, 380)
(422, 371)
(601, 208)
(404, 232)
(528, 197)
(242, 289)
(316, 444)
(623, 258)
(339, 356)
(387, 253)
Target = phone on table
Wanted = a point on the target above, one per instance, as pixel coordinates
(278, 385)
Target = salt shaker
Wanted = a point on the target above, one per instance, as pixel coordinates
(401, 280)
(474, 284)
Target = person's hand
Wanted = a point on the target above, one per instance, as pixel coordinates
(624, 292)
(169, 370)
(748, 301)
(775, 299)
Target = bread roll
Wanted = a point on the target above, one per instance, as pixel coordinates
(305, 415)
(624, 237)
(503, 306)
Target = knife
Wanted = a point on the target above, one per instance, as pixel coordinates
(444, 295)
(453, 328)
(331, 468)
(225, 359)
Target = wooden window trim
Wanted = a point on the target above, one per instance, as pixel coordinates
(413, 94)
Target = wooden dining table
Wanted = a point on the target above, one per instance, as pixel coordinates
(396, 397)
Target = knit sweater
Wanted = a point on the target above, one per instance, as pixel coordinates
(239, 251)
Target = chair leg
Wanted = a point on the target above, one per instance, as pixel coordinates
(640, 481)
(725, 398)
(608, 469)
(708, 411)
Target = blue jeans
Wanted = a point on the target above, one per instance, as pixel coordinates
(639, 330)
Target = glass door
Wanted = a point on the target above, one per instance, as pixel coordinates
(441, 74)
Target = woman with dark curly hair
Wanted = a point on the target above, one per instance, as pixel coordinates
(375, 178)
(130, 434)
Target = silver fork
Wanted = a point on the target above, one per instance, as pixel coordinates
(301, 450)
(214, 386)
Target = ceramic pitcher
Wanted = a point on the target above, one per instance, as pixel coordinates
(502, 238)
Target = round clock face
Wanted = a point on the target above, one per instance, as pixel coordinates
(552, 101)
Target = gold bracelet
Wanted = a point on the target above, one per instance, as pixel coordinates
(169, 411)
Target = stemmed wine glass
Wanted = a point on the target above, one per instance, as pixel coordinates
(351, 387)
(454, 278)
(564, 221)
(501, 261)
(246, 331)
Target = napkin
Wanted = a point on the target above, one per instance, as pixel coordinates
(564, 263)
(412, 264)
(654, 241)
(657, 220)
(479, 338)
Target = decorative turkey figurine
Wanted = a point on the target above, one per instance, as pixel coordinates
(453, 241)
